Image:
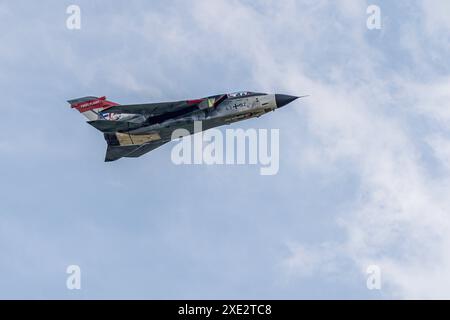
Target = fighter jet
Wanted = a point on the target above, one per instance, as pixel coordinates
(135, 129)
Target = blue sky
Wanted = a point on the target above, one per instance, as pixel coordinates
(364, 162)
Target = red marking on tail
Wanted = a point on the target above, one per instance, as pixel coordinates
(93, 104)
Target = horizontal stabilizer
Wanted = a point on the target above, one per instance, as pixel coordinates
(108, 126)
(133, 151)
(116, 152)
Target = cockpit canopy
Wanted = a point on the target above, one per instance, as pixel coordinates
(243, 94)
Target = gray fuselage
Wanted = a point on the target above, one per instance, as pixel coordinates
(230, 110)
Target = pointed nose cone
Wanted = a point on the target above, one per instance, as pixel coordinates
(284, 99)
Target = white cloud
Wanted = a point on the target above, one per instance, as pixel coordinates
(441, 150)
(431, 100)
(401, 217)
(436, 16)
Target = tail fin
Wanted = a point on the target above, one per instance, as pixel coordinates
(91, 107)
(119, 144)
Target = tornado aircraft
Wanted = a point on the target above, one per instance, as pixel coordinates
(135, 129)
